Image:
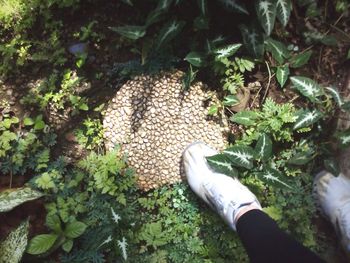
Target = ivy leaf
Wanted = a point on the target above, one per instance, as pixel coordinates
(307, 87)
(227, 51)
(278, 50)
(300, 60)
(13, 247)
(75, 229)
(282, 75)
(284, 7)
(168, 32)
(274, 178)
(68, 245)
(235, 5)
(336, 96)
(241, 155)
(266, 12)
(222, 164)
(305, 118)
(343, 138)
(230, 100)
(253, 40)
(11, 198)
(195, 58)
(246, 118)
(41, 243)
(263, 147)
(131, 32)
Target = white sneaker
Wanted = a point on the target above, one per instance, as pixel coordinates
(333, 197)
(224, 194)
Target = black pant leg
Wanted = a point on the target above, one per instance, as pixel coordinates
(264, 241)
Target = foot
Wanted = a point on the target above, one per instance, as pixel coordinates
(333, 198)
(222, 193)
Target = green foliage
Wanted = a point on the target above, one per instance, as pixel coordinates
(91, 134)
(9, 199)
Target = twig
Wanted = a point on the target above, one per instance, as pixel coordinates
(268, 83)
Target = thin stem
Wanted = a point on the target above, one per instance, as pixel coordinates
(268, 83)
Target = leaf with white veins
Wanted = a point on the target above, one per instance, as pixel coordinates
(222, 164)
(305, 118)
(266, 12)
(274, 178)
(246, 118)
(263, 147)
(241, 155)
(278, 50)
(168, 32)
(282, 75)
(284, 7)
(253, 39)
(235, 5)
(307, 87)
(227, 51)
(336, 96)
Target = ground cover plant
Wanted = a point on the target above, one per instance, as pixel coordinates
(279, 68)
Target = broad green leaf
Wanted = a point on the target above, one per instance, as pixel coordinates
(235, 5)
(263, 147)
(307, 87)
(240, 155)
(222, 164)
(266, 12)
(274, 178)
(11, 198)
(168, 32)
(336, 96)
(83, 106)
(284, 7)
(278, 50)
(230, 100)
(54, 223)
(305, 118)
(131, 32)
(74, 229)
(227, 51)
(300, 60)
(282, 75)
(41, 243)
(195, 58)
(301, 158)
(68, 245)
(28, 121)
(343, 138)
(39, 124)
(246, 118)
(253, 40)
(13, 247)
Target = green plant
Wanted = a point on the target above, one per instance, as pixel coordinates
(60, 236)
(91, 134)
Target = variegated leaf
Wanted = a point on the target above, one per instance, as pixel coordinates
(307, 87)
(235, 5)
(282, 75)
(230, 100)
(301, 158)
(263, 147)
(305, 118)
(253, 40)
(13, 247)
(168, 32)
(343, 138)
(222, 164)
(11, 198)
(131, 32)
(164, 4)
(278, 50)
(203, 7)
(284, 7)
(195, 58)
(246, 118)
(274, 178)
(240, 155)
(266, 12)
(227, 51)
(300, 60)
(336, 96)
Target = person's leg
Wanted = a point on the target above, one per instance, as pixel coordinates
(264, 241)
(234, 202)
